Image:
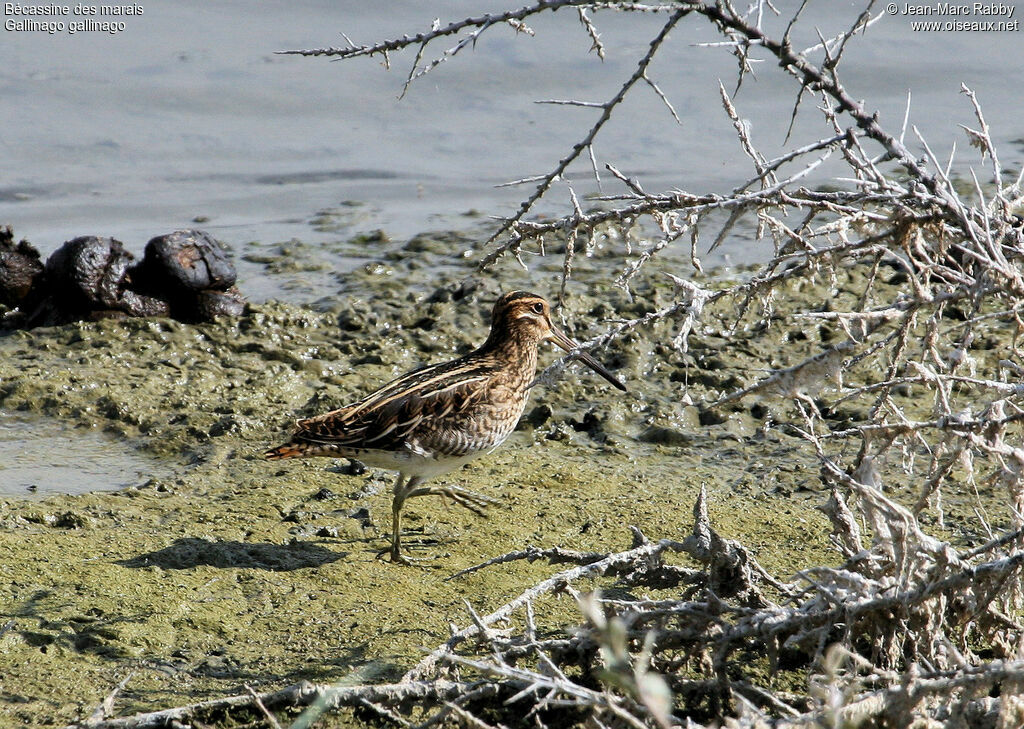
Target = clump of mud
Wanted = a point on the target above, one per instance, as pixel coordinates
(20, 269)
(186, 275)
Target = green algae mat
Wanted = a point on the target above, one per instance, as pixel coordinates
(222, 570)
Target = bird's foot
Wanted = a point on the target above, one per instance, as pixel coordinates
(463, 497)
(473, 501)
(395, 555)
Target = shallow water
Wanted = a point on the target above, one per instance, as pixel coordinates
(188, 113)
(43, 456)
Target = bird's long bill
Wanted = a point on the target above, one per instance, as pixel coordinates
(568, 345)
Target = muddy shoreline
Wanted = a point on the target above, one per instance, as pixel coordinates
(232, 570)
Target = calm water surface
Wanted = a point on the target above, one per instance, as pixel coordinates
(43, 456)
(188, 113)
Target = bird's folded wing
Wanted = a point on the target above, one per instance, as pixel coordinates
(385, 419)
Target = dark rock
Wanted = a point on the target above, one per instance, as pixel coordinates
(191, 260)
(186, 274)
(211, 304)
(91, 278)
(20, 269)
(137, 304)
(88, 273)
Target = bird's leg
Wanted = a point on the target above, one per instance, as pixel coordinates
(407, 489)
(402, 492)
(396, 520)
(396, 529)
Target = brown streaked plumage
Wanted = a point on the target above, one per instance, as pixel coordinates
(432, 420)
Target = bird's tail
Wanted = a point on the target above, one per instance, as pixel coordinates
(288, 450)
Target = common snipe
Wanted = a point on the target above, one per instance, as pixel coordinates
(433, 420)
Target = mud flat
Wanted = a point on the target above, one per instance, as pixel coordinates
(227, 570)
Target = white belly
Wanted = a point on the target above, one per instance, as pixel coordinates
(412, 463)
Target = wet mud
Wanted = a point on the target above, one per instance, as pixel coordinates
(229, 570)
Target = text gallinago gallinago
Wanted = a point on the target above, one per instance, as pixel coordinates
(433, 420)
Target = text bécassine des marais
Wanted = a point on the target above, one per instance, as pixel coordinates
(80, 9)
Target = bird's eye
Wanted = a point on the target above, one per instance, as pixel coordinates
(538, 308)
